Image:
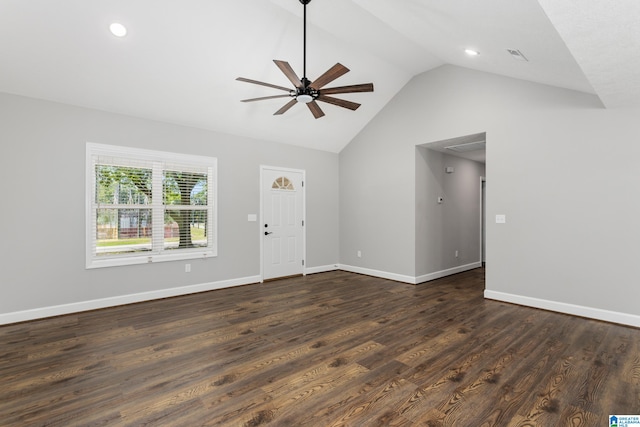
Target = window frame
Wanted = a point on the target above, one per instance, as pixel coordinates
(155, 159)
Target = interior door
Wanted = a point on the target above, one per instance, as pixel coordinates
(282, 223)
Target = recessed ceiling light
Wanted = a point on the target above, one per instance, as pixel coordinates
(471, 52)
(118, 29)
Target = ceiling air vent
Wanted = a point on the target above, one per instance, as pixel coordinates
(516, 54)
(469, 146)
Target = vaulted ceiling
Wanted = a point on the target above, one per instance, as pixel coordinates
(179, 60)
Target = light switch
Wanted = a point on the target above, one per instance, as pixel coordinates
(252, 217)
(501, 219)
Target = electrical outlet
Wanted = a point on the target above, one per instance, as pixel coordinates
(187, 268)
(359, 254)
(456, 254)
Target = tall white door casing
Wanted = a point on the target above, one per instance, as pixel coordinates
(282, 213)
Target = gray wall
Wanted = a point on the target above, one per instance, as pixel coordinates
(569, 183)
(563, 169)
(377, 191)
(42, 169)
(378, 168)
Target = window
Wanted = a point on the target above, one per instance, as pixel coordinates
(282, 183)
(148, 206)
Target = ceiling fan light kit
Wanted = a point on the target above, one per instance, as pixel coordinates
(305, 99)
(306, 91)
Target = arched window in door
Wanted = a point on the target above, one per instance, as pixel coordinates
(282, 183)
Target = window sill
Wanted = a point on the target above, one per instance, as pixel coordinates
(149, 259)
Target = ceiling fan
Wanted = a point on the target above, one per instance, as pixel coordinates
(306, 91)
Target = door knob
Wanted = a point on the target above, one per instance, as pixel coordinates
(266, 233)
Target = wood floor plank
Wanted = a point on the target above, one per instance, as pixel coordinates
(380, 390)
(533, 358)
(330, 349)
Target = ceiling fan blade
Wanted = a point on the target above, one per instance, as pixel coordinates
(339, 102)
(256, 82)
(330, 75)
(315, 109)
(288, 71)
(265, 97)
(366, 87)
(286, 107)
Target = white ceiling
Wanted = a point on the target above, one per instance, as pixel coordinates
(604, 37)
(179, 61)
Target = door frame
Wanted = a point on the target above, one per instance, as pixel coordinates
(483, 220)
(261, 228)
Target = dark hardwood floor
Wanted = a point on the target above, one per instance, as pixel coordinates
(331, 349)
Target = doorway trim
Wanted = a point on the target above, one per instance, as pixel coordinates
(483, 220)
(261, 228)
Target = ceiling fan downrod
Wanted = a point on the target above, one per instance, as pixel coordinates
(304, 93)
(305, 81)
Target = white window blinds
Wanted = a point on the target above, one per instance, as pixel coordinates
(148, 206)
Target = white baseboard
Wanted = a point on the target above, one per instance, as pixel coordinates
(560, 307)
(448, 272)
(410, 279)
(378, 273)
(58, 310)
(321, 269)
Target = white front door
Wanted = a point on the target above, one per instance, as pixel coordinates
(282, 222)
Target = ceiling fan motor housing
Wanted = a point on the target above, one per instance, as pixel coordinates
(306, 89)
(305, 93)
